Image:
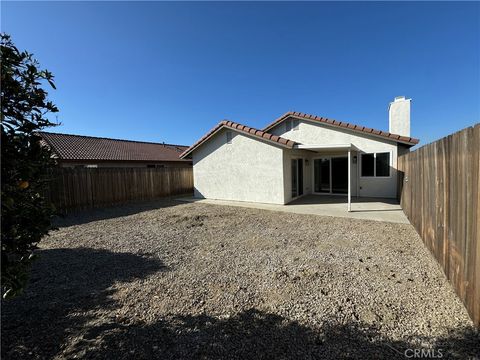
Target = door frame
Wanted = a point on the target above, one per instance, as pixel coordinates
(329, 157)
(298, 178)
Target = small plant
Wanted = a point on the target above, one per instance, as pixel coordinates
(25, 163)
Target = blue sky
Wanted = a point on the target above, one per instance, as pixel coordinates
(164, 71)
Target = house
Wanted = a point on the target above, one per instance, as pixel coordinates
(88, 151)
(300, 154)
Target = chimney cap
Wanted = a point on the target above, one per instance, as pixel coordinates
(399, 98)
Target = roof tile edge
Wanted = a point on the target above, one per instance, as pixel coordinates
(243, 129)
(395, 137)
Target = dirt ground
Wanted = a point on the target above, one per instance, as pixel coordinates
(171, 280)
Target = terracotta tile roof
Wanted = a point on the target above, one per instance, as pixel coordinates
(78, 147)
(244, 129)
(345, 125)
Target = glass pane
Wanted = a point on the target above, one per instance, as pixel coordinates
(367, 164)
(321, 177)
(383, 164)
(300, 177)
(316, 175)
(294, 178)
(340, 175)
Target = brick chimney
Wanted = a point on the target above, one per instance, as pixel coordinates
(399, 116)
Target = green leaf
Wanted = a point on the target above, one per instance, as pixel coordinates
(25, 107)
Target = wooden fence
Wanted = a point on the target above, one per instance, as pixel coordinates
(439, 193)
(77, 189)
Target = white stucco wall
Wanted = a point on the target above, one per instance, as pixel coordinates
(245, 170)
(311, 133)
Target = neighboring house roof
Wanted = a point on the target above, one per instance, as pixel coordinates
(357, 128)
(78, 147)
(276, 140)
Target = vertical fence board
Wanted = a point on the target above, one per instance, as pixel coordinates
(440, 195)
(475, 276)
(78, 189)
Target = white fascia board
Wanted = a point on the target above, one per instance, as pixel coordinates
(325, 147)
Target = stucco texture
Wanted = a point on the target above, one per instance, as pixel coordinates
(310, 133)
(245, 170)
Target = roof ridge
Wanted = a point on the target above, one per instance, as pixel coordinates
(106, 138)
(344, 124)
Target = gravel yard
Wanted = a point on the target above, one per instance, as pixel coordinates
(172, 280)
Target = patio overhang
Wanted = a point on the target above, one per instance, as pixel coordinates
(347, 148)
(319, 148)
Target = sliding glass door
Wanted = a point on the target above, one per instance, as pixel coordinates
(330, 175)
(321, 169)
(297, 177)
(339, 175)
(294, 178)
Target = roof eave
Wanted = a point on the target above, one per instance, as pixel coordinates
(338, 124)
(277, 121)
(64, 159)
(242, 129)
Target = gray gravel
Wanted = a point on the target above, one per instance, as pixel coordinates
(172, 280)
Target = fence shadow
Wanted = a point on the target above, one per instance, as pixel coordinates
(104, 213)
(66, 285)
(254, 334)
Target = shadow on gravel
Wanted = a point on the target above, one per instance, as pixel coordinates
(68, 311)
(89, 215)
(257, 335)
(66, 287)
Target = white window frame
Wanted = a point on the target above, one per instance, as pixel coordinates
(375, 165)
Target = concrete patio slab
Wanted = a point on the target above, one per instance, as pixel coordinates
(377, 209)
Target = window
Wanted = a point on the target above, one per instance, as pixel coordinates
(368, 165)
(295, 124)
(382, 164)
(229, 137)
(288, 125)
(376, 164)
